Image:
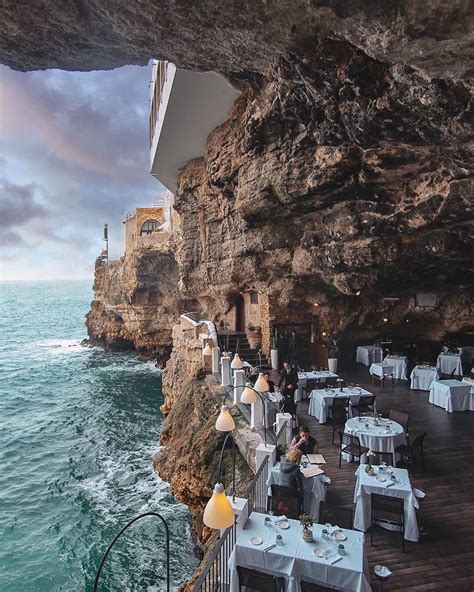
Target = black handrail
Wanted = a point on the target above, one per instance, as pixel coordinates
(96, 581)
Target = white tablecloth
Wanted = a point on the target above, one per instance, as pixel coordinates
(448, 362)
(367, 354)
(381, 368)
(422, 377)
(303, 378)
(321, 400)
(314, 489)
(452, 395)
(376, 437)
(295, 560)
(400, 366)
(367, 484)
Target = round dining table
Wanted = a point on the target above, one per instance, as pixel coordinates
(384, 437)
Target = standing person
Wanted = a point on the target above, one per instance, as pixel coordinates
(288, 384)
(293, 348)
(304, 442)
(282, 346)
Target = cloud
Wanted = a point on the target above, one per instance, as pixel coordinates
(74, 156)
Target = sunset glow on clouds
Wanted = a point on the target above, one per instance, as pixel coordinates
(74, 155)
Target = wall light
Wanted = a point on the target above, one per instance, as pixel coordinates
(218, 512)
(225, 421)
(207, 350)
(385, 320)
(236, 363)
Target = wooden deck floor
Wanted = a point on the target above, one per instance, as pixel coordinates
(443, 560)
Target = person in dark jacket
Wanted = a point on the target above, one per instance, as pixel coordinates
(288, 384)
(290, 475)
(271, 384)
(304, 442)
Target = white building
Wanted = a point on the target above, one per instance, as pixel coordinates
(185, 107)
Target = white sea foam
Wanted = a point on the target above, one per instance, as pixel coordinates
(61, 346)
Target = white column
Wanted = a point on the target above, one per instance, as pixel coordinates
(280, 420)
(241, 512)
(215, 359)
(262, 451)
(239, 382)
(274, 358)
(225, 371)
(332, 365)
(256, 414)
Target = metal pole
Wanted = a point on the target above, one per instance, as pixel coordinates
(96, 581)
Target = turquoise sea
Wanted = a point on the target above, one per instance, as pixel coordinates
(78, 429)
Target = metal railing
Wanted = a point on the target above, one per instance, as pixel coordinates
(215, 574)
(281, 438)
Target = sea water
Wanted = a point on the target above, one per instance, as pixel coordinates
(78, 429)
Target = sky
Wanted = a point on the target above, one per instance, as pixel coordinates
(73, 156)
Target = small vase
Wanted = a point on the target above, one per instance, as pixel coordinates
(369, 470)
(376, 422)
(307, 534)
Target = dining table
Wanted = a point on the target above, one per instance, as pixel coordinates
(449, 364)
(295, 560)
(422, 377)
(368, 354)
(303, 377)
(314, 489)
(383, 436)
(321, 400)
(399, 364)
(381, 483)
(452, 395)
(382, 369)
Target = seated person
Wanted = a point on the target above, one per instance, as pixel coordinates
(271, 384)
(290, 470)
(305, 443)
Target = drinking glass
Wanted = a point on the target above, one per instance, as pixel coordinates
(341, 550)
(279, 540)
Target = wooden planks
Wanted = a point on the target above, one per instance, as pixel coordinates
(443, 560)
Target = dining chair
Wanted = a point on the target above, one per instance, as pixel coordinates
(365, 404)
(389, 510)
(350, 444)
(338, 414)
(335, 515)
(413, 452)
(285, 493)
(331, 381)
(403, 419)
(383, 457)
(256, 580)
(284, 506)
(310, 587)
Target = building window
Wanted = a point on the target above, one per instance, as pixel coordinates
(149, 226)
(253, 297)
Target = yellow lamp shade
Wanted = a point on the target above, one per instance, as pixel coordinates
(236, 363)
(248, 396)
(207, 350)
(218, 512)
(225, 421)
(261, 385)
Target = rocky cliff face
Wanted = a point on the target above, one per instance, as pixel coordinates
(339, 180)
(136, 301)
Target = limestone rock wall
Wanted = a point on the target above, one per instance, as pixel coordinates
(339, 174)
(136, 301)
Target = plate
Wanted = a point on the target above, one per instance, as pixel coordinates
(319, 552)
(284, 525)
(256, 541)
(380, 478)
(340, 536)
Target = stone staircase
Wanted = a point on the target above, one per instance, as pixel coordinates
(247, 354)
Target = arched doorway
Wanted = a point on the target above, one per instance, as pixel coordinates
(240, 314)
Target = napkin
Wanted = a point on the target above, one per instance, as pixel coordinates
(280, 519)
(388, 484)
(333, 559)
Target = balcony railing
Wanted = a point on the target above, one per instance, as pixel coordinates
(160, 79)
(215, 574)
